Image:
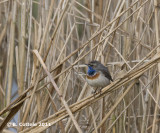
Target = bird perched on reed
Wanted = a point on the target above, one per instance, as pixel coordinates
(98, 75)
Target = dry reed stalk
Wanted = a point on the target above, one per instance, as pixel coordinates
(28, 90)
(11, 54)
(22, 52)
(93, 117)
(57, 89)
(122, 34)
(154, 128)
(115, 105)
(130, 104)
(91, 99)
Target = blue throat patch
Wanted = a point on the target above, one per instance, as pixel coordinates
(91, 71)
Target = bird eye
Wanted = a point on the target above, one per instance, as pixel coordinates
(90, 65)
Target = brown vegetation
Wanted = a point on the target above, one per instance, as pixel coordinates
(44, 45)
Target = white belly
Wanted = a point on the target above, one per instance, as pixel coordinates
(101, 81)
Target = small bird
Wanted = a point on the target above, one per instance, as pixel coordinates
(98, 75)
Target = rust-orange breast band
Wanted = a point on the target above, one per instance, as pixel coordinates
(94, 76)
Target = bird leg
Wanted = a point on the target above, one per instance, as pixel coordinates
(94, 92)
(100, 90)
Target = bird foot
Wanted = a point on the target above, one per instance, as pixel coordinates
(93, 92)
(96, 92)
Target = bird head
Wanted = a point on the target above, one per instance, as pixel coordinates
(92, 67)
(94, 64)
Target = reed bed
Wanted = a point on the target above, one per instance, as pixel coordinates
(44, 46)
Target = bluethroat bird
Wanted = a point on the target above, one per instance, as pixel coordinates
(98, 75)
